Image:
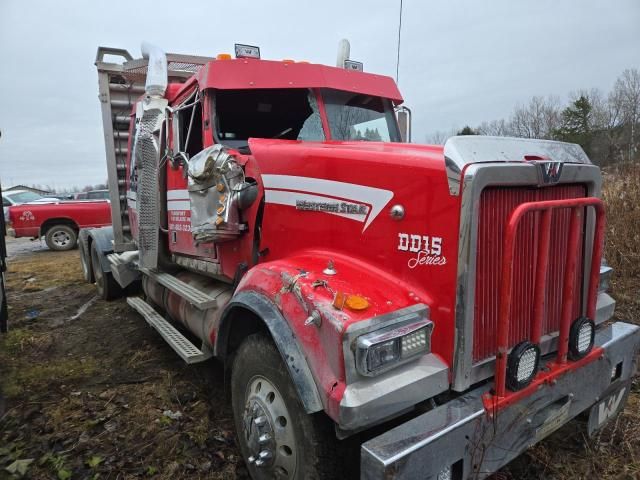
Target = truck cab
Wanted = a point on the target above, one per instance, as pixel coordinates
(348, 279)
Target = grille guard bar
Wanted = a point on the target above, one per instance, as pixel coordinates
(500, 397)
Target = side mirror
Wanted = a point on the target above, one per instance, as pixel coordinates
(404, 122)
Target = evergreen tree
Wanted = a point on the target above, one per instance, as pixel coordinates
(577, 124)
(372, 135)
(467, 131)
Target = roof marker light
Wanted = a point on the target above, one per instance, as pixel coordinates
(247, 51)
(353, 65)
(223, 56)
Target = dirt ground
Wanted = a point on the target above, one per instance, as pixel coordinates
(93, 392)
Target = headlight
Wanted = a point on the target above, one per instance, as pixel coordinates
(605, 277)
(581, 336)
(383, 349)
(522, 365)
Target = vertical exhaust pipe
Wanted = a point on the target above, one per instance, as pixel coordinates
(156, 83)
(344, 50)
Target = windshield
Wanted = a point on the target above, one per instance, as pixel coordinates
(353, 116)
(23, 197)
(290, 114)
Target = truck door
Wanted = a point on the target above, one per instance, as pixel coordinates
(189, 136)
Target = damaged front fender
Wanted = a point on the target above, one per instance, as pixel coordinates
(284, 338)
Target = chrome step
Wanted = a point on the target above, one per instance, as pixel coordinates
(181, 344)
(195, 297)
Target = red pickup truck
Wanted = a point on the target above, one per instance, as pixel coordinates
(58, 222)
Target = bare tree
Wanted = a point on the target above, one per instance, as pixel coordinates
(606, 124)
(538, 119)
(495, 128)
(626, 94)
(439, 137)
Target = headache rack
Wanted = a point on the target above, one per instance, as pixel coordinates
(121, 84)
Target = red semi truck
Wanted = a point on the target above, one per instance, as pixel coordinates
(58, 222)
(450, 296)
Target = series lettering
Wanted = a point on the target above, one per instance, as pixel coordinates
(428, 249)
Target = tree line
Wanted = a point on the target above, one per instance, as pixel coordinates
(605, 125)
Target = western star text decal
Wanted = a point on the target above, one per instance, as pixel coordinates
(348, 200)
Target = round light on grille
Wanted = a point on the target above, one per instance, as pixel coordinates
(522, 365)
(581, 338)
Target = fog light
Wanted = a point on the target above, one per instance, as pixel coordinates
(581, 336)
(522, 365)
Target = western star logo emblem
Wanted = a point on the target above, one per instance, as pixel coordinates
(609, 407)
(549, 172)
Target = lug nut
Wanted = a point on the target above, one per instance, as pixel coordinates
(264, 438)
(251, 459)
(265, 455)
(259, 463)
(261, 420)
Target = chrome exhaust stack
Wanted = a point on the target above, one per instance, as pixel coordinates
(157, 73)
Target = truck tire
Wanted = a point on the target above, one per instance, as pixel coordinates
(278, 439)
(61, 237)
(106, 285)
(85, 262)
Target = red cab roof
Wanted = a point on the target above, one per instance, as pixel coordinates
(246, 73)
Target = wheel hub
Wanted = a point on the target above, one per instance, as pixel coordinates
(259, 432)
(61, 238)
(268, 431)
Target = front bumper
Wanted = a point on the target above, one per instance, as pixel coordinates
(461, 434)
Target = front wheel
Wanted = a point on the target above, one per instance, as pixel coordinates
(277, 437)
(61, 237)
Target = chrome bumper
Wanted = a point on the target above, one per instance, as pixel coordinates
(462, 436)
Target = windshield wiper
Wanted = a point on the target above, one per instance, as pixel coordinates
(284, 132)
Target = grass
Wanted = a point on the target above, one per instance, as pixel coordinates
(27, 368)
(43, 270)
(621, 194)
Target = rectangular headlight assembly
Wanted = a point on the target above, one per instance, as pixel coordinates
(378, 351)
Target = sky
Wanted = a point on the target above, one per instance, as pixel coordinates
(461, 62)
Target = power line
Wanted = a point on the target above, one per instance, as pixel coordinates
(399, 32)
